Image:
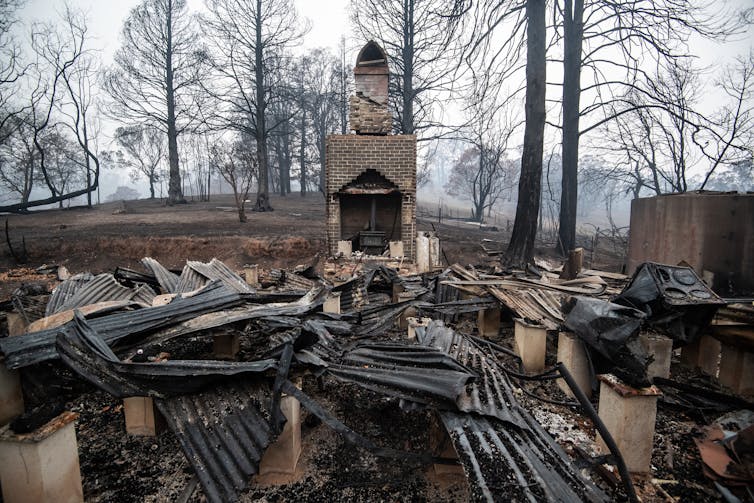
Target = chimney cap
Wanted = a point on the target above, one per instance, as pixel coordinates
(371, 55)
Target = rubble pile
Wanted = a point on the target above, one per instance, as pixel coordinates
(115, 331)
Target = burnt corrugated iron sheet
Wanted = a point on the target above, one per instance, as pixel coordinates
(491, 393)
(216, 270)
(213, 319)
(419, 374)
(223, 432)
(534, 305)
(504, 463)
(168, 281)
(189, 280)
(36, 347)
(85, 352)
(507, 455)
(65, 290)
(102, 288)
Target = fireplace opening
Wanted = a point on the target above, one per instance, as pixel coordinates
(370, 212)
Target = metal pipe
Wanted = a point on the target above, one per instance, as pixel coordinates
(606, 436)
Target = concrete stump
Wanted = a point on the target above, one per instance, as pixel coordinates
(396, 249)
(226, 346)
(441, 446)
(413, 324)
(16, 324)
(345, 248)
(407, 313)
(281, 457)
(251, 274)
(531, 345)
(703, 354)
(11, 395)
(42, 466)
(661, 349)
(488, 321)
(142, 417)
(629, 415)
(332, 303)
(737, 370)
(572, 354)
(422, 253)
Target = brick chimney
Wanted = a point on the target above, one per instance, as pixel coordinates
(370, 176)
(368, 107)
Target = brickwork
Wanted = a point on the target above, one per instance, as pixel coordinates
(367, 116)
(372, 82)
(393, 157)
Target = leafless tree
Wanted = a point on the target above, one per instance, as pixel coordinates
(58, 88)
(11, 69)
(521, 246)
(238, 166)
(155, 75)
(662, 139)
(607, 45)
(19, 159)
(324, 88)
(483, 172)
(144, 147)
(422, 41)
(250, 38)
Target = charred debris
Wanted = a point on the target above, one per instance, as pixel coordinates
(111, 331)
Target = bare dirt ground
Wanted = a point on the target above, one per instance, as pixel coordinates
(120, 234)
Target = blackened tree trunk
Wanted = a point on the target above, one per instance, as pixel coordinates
(175, 193)
(573, 29)
(407, 97)
(302, 144)
(521, 247)
(263, 197)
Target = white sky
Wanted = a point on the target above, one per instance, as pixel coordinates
(329, 21)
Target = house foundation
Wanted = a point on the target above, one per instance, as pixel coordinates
(531, 345)
(226, 346)
(703, 354)
(142, 417)
(42, 466)
(332, 303)
(660, 348)
(629, 415)
(572, 354)
(737, 369)
(488, 322)
(281, 457)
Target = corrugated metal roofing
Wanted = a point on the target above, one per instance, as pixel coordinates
(507, 455)
(419, 374)
(168, 281)
(223, 432)
(35, 347)
(65, 290)
(216, 270)
(535, 305)
(491, 393)
(85, 352)
(509, 464)
(189, 280)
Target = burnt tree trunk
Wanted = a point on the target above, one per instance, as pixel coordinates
(573, 28)
(263, 191)
(407, 114)
(175, 194)
(521, 247)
